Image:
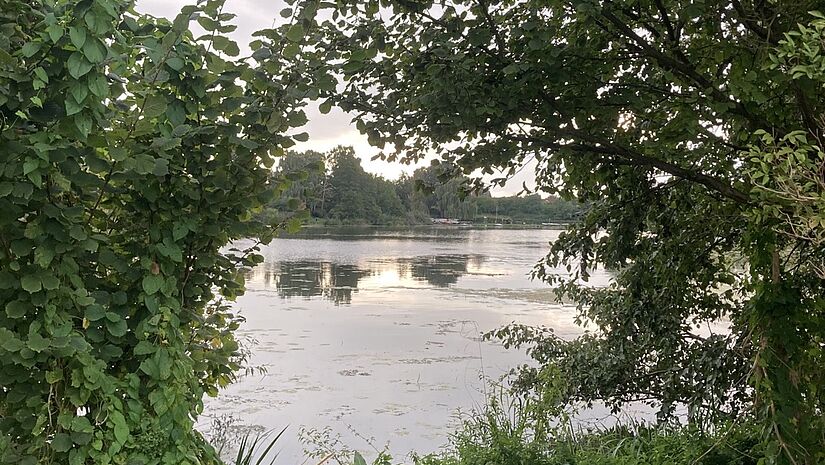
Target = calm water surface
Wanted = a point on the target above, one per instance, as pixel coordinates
(377, 331)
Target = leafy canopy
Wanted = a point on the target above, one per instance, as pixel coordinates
(131, 152)
(694, 129)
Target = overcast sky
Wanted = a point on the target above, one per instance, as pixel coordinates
(325, 131)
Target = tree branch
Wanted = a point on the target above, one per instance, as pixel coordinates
(629, 156)
(683, 68)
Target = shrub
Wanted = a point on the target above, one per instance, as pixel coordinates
(131, 152)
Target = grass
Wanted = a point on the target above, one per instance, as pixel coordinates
(512, 431)
(256, 450)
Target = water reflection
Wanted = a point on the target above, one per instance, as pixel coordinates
(338, 282)
(440, 270)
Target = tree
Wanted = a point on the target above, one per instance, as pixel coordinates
(309, 181)
(694, 130)
(412, 200)
(131, 153)
(357, 196)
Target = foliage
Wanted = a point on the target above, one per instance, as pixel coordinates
(356, 195)
(504, 432)
(325, 446)
(677, 120)
(542, 430)
(614, 446)
(345, 193)
(131, 152)
(257, 450)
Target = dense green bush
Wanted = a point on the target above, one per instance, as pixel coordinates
(131, 152)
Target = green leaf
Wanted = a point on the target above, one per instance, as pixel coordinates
(37, 342)
(295, 33)
(143, 163)
(97, 85)
(54, 376)
(62, 442)
(79, 91)
(208, 24)
(78, 65)
(6, 59)
(161, 167)
(43, 255)
(232, 49)
(262, 54)
(82, 425)
(22, 247)
(55, 32)
(17, 308)
(154, 105)
(117, 328)
(358, 459)
(30, 48)
(72, 107)
(77, 36)
(118, 153)
(30, 283)
(94, 50)
(97, 21)
(291, 49)
(150, 367)
(50, 282)
(121, 430)
(41, 74)
(325, 107)
(9, 342)
(226, 45)
(152, 283)
(170, 250)
(78, 232)
(144, 348)
(176, 112)
(30, 165)
(94, 312)
(175, 63)
(83, 122)
(179, 230)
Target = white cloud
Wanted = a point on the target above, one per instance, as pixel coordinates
(325, 131)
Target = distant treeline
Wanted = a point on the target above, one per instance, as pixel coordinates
(335, 189)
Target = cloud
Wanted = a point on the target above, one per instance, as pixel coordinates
(325, 131)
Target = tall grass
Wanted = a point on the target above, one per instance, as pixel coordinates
(257, 449)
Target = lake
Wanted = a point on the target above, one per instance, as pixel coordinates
(374, 333)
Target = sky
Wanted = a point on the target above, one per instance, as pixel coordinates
(325, 130)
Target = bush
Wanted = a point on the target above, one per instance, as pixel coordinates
(523, 431)
(131, 153)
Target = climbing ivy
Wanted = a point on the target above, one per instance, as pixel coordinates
(131, 153)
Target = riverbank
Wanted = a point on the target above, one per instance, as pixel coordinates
(316, 223)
